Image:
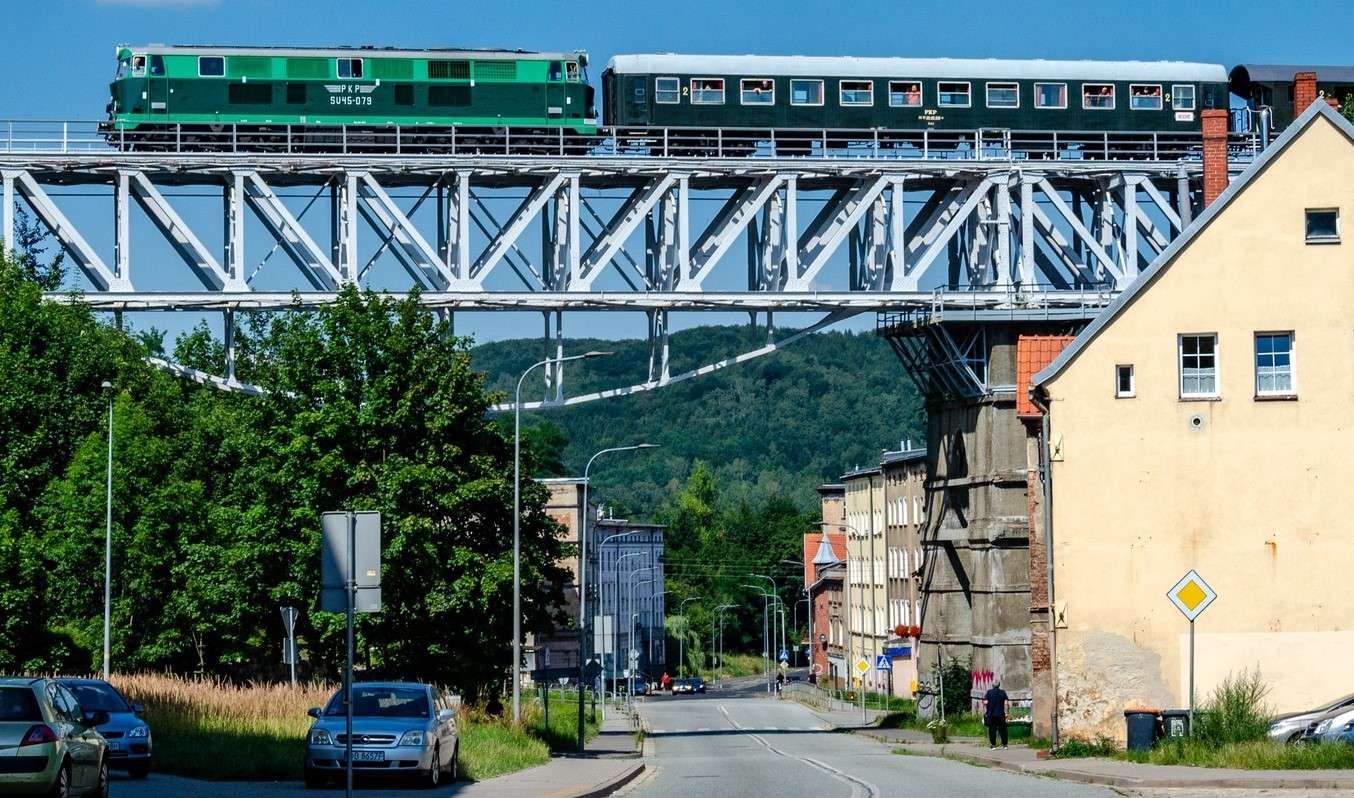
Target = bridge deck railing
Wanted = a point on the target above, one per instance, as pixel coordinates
(91, 136)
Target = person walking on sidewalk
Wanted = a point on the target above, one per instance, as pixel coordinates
(995, 704)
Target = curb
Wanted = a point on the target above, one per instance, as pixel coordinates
(608, 787)
(1137, 782)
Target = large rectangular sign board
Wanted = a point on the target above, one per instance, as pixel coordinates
(366, 559)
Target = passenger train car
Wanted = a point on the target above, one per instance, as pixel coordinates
(1268, 90)
(160, 94)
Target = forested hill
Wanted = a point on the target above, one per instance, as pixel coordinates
(778, 425)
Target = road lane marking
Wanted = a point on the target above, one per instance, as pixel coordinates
(859, 787)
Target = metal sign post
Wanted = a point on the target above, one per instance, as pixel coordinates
(1191, 595)
(350, 579)
(289, 644)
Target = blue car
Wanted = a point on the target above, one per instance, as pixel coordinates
(128, 735)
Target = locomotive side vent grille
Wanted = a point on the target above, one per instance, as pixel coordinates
(496, 70)
(308, 68)
(449, 70)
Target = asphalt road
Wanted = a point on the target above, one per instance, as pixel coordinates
(741, 744)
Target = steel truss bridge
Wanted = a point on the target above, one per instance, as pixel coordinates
(654, 235)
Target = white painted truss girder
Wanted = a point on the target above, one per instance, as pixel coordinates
(1025, 229)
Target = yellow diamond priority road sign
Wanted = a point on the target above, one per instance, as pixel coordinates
(1191, 595)
(862, 666)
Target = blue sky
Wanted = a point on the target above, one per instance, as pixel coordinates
(68, 45)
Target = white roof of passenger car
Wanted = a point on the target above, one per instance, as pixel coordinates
(984, 68)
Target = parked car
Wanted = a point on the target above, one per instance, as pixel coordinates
(1292, 727)
(48, 744)
(1329, 727)
(128, 735)
(399, 729)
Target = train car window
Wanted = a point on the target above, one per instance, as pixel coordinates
(707, 91)
(1050, 95)
(955, 95)
(1097, 96)
(139, 65)
(556, 71)
(1144, 96)
(757, 91)
(1003, 95)
(350, 68)
(571, 70)
(404, 94)
(806, 92)
(905, 93)
(157, 66)
(857, 92)
(296, 94)
(667, 91)
(1182, 97)
(211, 66)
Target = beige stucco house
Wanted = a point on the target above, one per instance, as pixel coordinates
(1206, 421)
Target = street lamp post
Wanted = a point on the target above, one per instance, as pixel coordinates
(108, 543)
(517, 529)
(583, 625)
(775, 591)
(765, 643)
(681, 647)
(630, 645)
(616, 627)
(805, 580)
(720, 612)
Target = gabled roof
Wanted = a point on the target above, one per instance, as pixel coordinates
(828, 550)
(1166, 258)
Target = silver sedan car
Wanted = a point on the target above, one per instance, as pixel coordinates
(400, 729)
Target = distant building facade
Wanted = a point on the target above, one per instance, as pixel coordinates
(557, 647)
(629, 583)
(904, 478)
(824, 573)
(1203, 422)
(866, 552)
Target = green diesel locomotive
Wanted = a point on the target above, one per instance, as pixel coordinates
(227, 97)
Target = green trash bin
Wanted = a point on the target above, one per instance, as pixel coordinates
(1142, 727)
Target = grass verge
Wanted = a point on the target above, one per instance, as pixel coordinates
(736, 665)
(1254, 755)
(221, 732)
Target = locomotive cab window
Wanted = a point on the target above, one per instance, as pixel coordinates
(806, 92)
(556, 71)
(1003, 95)
(350, 68)
(857, 92)
(1182, 97)
(905, 93)
(707, 91)
(1050, 96)
(211, 66)
(757, 91)
(157, 66)
(667, 90)
(954, 95)
(1097, 96)
(1144, 97)
(571, 70)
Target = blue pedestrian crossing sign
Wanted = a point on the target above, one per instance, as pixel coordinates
(882, 662)
(784, 655)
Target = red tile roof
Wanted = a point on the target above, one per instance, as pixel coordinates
(812, 540)
(1033, 353)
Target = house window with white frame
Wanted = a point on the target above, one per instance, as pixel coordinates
(1124, 387)
(1274, 364)
(857, 92)
(1198, 366)
(707, 91)
(1323, 225)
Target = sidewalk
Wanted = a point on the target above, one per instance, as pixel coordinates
(1108, 772)
(610, 761)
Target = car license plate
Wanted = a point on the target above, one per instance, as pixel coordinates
(369, 756)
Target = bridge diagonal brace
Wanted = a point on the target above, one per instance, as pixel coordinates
(614, 235)
(410, 247)
(724, 229)
(180, 236)
(513, 229)
(1166, 210)
(1078, 227)
(80, 251)
(293, 238)
(1054, 240)
(821, 240)
(622, 251)
(965, 204)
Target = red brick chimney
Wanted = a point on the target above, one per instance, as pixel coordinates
(1215, 153)
(1304, 92)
